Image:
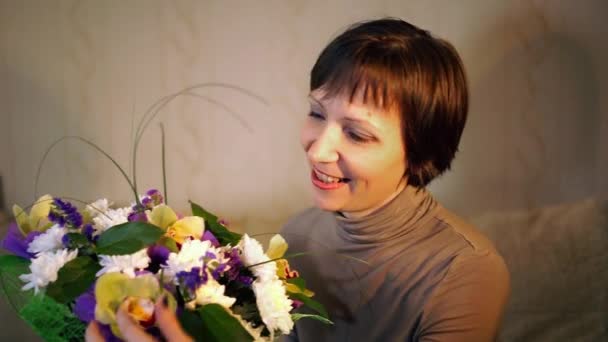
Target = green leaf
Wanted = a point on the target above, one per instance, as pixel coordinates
(77, 240)
(197, 210)
(299, 282)
(169, 243)
(128, 238)
(311, 303)
(212, 323)
(11, 267)
(191, 322)
(73, 279)
(221, 233)
(297, 316)
(14, 265)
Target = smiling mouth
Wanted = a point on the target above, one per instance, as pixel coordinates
(327, 179)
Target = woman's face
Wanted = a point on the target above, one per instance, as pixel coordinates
(355, 152)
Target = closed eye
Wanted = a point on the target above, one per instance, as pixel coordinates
(316, 115)
(357, 138)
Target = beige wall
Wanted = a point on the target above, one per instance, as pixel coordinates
(537, 132)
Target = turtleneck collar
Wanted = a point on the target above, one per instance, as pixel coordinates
(411, 207)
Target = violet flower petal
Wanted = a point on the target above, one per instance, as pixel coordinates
(16, 243)
(137, 216)
(158, 256)
(84, 307)
(208, 236)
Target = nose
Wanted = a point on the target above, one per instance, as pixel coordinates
(324, 147)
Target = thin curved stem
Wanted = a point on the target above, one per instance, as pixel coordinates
(162, 137)
(156, 107)
(88, 142)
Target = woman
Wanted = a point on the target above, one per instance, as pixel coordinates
(388, 106)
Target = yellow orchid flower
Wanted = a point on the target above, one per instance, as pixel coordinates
(187, 227)
(139, 293)
(177, 229)
(162, 216)
(37, 220)
(276, 249)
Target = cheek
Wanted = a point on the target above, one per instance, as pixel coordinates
(377, 169)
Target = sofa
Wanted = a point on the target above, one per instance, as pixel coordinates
(558, 259)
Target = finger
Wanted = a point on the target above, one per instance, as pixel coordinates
(130, 329)
(168, 323)
(93, 334)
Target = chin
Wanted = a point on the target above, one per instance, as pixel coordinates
(324, 204)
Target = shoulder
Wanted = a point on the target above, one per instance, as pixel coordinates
(473, 288)
(476, 255)
(461, 230)
(469, 298)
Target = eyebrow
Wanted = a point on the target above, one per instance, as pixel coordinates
(347, 118)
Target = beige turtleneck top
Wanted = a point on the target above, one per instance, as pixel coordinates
(410, 271)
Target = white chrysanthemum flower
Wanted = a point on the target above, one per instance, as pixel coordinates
(48, 241)
(254, 254)
(212, 293)
(274, 305)
(110, 218)
(98, 207)
(190, 255)
(126, 264)
(44, 268)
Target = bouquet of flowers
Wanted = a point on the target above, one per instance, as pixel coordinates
(69, 266)
(87, 263)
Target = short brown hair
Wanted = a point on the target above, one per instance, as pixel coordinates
(395, 63)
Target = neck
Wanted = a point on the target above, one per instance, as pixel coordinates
(365, 212)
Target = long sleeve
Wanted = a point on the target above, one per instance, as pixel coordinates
(469, 302)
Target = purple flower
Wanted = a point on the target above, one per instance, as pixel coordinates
(296, 303)
(208, 236)
(84, 307)
(56, 218)
(65, 241)
(156, 196)
(210, 255)
(158, 256)
(190, 281)
(88, 231)
(139, 216)
(235, 263)
(217, 272)
(64, 214)
(147, 202)
(16, 243)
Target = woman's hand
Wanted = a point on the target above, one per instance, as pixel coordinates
(132, 331)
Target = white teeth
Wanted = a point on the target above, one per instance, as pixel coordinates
(325, 178)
